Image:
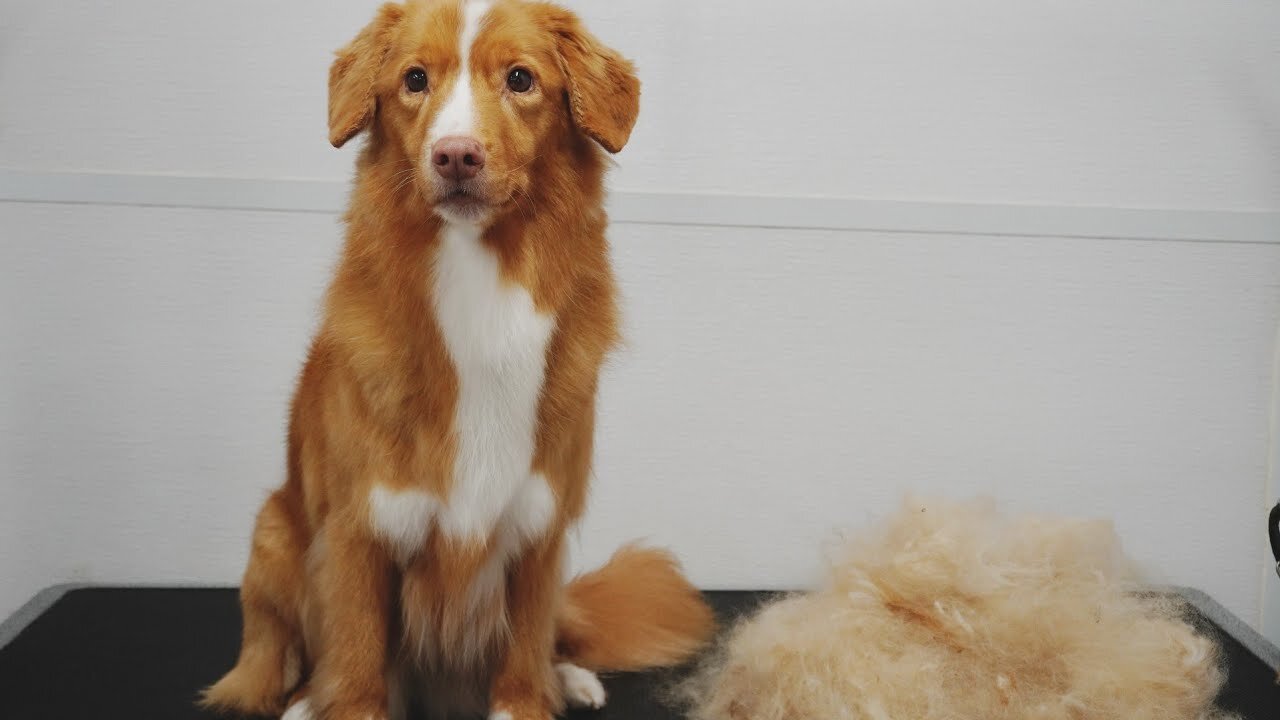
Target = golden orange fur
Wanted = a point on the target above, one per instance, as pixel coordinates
(950, 610)
(334, 614)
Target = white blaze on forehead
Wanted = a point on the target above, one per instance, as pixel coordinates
(457, 117)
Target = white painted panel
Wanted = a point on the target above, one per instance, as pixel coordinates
(777, 384)
(1095, 102)
(1270, 566)
(147, 361)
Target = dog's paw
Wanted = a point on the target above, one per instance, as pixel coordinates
(581, 687)
(521, 709)
(300, 710)
(363, 711)
(520, 715)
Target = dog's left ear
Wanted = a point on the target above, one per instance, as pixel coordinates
(604, 92)
(354, 72)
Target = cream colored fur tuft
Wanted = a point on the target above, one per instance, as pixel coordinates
(951, 610)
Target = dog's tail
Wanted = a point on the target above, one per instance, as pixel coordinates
(636, 612)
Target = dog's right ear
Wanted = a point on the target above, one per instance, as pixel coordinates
(354, 72)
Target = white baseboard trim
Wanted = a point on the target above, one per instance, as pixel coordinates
(816, 213)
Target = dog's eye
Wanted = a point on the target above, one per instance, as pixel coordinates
(415, 81)
(520, 80)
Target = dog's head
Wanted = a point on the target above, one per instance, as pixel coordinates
(467, 96)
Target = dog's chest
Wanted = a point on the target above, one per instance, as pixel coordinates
(497, 341)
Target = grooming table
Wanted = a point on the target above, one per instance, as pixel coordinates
(106, 653)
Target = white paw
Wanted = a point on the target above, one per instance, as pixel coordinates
(300, 710)
(580, 686)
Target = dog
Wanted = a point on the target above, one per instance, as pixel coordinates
(440, 436)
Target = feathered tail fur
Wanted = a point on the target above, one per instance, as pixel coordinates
(637, 611)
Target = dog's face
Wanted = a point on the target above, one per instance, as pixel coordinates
(470, 96)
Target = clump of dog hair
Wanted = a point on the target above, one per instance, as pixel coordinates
(951, 610)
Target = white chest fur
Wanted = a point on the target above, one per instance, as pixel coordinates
(497, 341)
(401, 519)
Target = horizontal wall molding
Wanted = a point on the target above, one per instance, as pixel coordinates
(811, 213)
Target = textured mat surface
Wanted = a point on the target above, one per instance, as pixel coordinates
(117, 653)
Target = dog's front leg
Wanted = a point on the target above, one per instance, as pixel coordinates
(525, 688)
(354, 584)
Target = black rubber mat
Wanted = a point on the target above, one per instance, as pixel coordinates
(136, 654)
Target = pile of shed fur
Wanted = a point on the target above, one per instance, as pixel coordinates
(952, 611)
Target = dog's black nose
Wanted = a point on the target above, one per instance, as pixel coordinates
(457, 157)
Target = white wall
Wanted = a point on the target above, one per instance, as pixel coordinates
(779, 382)
(1091, 102)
